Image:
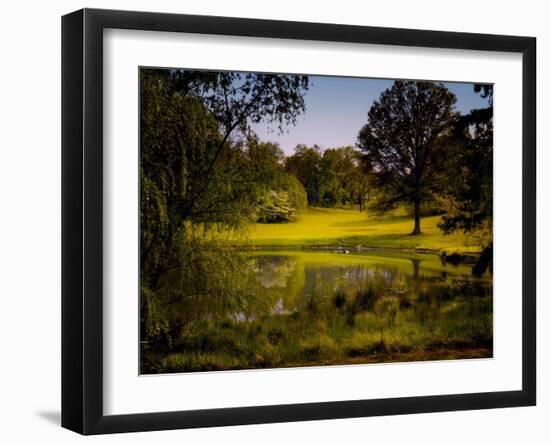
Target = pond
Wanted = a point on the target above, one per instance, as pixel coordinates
(312, 308)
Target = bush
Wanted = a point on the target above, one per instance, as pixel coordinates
(275, 207)
(282, 203)
(296, 192)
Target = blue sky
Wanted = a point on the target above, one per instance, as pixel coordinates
(337, 107)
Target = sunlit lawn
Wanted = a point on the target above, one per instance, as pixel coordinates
(350, 228)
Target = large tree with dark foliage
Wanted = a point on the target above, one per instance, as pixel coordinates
(402, 143)
(198, 174)
(469, 185)
(194, 127)
(236, 100)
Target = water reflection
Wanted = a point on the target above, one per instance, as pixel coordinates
(304, 280)
(296, 308)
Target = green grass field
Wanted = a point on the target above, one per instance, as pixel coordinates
(351, 228)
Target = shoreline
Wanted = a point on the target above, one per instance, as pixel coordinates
(358, 249)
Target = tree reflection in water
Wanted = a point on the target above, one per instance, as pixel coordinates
(313, 308)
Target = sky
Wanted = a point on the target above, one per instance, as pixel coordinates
(337, 108)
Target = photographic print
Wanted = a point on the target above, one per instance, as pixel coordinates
(299, 220)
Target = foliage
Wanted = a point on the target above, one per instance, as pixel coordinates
(283, 202)
(282, 197)
(402, 143)
(237, 99)
(275, 207)
(234, 101)
(296, 192)
(349, 182)
(305, 165)
(209, 281)
(435, 206)
(189, 169)
(177, 136)
(193, 173)
(331, 177)
(486, 91)
(469, 186)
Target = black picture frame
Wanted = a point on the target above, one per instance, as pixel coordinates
(82, 221)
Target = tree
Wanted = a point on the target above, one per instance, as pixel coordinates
(283, 197)
(330, 177)
(197, 177)
(468, 193)
(334, 169)
(236, 100)
(358, 181)
(192, 168)
(402, 143)
(177, 134)
(347, 179)
(305, 164)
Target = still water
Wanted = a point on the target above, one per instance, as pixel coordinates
(295, 278)
(303, 308)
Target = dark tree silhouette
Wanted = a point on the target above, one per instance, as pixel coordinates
(402, 143)
(469, 183)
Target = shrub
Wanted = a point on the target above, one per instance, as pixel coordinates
(275, 207)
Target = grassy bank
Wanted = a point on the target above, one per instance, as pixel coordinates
(437, 326)
(350, 228)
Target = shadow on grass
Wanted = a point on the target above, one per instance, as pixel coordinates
(373, 221)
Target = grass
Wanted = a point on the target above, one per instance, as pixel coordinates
(452, 329)
(350, 228)
(425, 310)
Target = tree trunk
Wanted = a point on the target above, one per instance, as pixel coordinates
(416, 230)
(484, 262)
